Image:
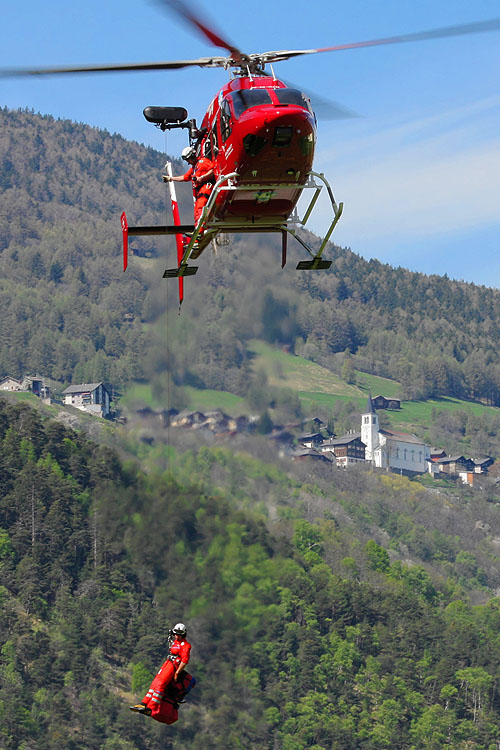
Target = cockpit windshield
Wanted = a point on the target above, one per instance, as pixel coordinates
(246, 98)
(293, 96)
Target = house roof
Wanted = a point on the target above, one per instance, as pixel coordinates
(82, 388)
(309, 452)
(343, 439)
(483, 460)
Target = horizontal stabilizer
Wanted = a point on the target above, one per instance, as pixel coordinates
(313, 265)
(174, 273)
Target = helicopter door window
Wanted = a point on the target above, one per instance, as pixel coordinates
(293, 96)
(207, 149)
(225, 120)
(243, 100)
(213, 138)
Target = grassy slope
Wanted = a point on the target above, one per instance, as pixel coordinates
(297, 373)
(317, 385)
(139, 395)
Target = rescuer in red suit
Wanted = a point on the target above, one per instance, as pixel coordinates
(170, 670)
(201, 174)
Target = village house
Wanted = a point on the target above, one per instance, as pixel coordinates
(10, 384)
(303, 454)
(455, 465)
(458, 466)
(219, 422)
(436, 454)
(381, 402)
(187, 418)
(36, 386)
(33, 384)
(311, 440)
(347, 449)
(481, 465)
(93, 398)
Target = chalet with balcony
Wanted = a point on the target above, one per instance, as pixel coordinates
(93, 398)
(455, 465)
(347, 449)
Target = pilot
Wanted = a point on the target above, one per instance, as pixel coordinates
(201, 174)
(170, 669)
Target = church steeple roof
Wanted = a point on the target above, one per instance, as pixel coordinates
(370, 409)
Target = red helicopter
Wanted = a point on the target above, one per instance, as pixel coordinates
(260, 135)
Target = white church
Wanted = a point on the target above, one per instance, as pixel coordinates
(387, 449)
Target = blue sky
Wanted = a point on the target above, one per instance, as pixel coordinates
(419, 171)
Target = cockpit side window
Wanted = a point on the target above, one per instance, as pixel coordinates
(243, 100)
(293, 96)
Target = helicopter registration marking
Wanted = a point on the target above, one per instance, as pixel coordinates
(264, 196)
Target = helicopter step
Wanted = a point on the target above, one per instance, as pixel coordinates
(313, 265)
(183, 270)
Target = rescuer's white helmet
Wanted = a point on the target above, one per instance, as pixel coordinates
(179, 629)
(188, 153)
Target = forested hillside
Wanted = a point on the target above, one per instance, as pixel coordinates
(69, 312)
(336, 610)
(315, 620)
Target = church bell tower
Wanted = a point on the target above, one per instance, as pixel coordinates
(369, 429)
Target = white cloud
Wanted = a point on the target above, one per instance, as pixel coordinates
(433, 176)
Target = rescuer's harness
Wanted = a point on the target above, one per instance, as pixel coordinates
(204, 189)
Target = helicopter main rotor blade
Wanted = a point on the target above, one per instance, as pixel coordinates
(479, 27)
(194, 19)
(113, 67)
(324, 108)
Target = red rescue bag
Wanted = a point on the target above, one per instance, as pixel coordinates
(167, 711)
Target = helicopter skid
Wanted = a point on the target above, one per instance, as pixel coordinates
(214, 221)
